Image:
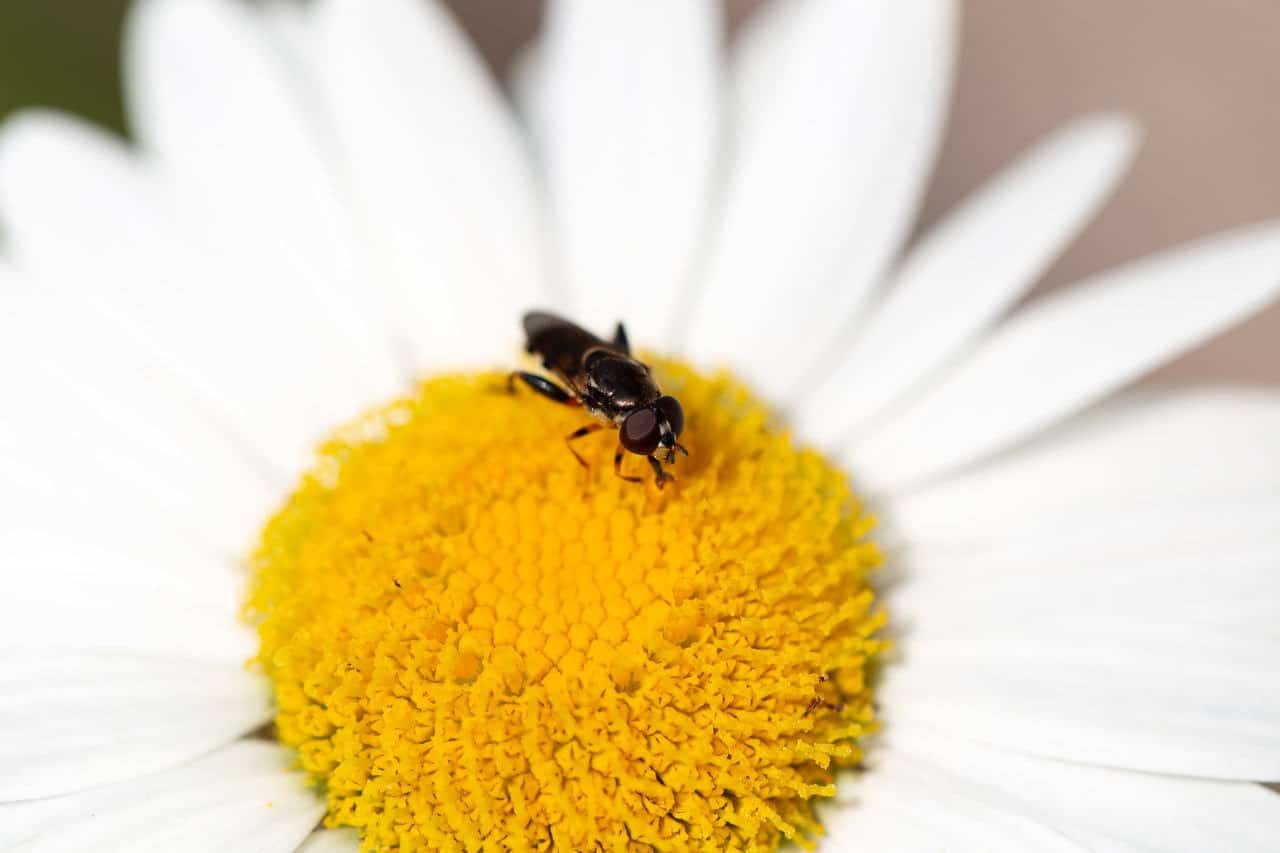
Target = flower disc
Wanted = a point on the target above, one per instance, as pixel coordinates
(476, 643)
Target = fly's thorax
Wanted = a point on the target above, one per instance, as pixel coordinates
(619, 384)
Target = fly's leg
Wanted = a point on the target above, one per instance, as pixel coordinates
(542, 385)
(660, 476)
(577, 434)
(617, 467)
(556, 394)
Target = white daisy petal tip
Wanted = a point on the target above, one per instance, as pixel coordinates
(1120, 129)
(969, 270)
(1114, 138)
(18, 123)
(147, 48)
(1069, 350)
(34, 145)
(24, 134)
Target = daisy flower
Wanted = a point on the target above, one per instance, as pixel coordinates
(927, 581)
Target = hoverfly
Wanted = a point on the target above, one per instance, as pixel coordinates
(614, 387)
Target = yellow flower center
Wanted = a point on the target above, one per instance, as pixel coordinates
(477, 644)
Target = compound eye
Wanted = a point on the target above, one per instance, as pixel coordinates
(670, 410)
(639, 432)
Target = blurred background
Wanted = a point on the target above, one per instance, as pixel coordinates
(1200, 75)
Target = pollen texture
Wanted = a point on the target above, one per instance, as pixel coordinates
(478, 644)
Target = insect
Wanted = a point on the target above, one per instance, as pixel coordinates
(613, 386)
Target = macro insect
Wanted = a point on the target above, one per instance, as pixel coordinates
(612, 385)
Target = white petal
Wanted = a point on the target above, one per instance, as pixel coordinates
(71, 588)
(969, 270)
(1195, 447)
(905, 802)
(215, 98)
(529, 94)
(631, 122)
(1142, 639)
(1068, 350)
(85, 217)
(243, 797)
(441, 178)
(331, 841)
(103, 428)
(71, 721)
(1111, 809)
(837, 111)
(292, 25)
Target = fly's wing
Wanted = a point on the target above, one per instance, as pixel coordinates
(620, 340)
(560, 344)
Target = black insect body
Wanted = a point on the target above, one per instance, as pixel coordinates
(604, 378)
